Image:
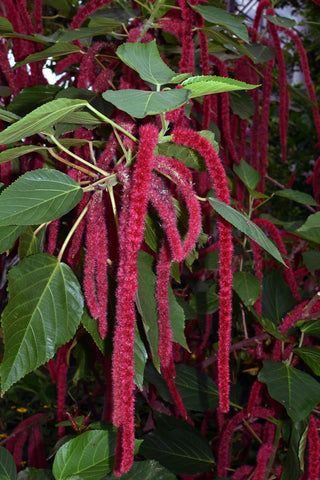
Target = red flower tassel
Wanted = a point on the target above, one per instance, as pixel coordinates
(203, 146)
(130, 241)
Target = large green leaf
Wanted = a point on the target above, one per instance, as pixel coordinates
(246, 226)
(44, 310)
(8, 470)
(311, 328)
(207, 85)
(28, 244)
(311, 259)
(90, 455)
(140, 103)
(57, 50)
(178, 446)
(277, 298)
(247, 286)
(311, 356)
(281, 21)
(247, 174)
(313, 221)
(40, 119)
(147, 470)
(32, 97)
(297, 391)
(296, 196)
(12, 153)
(218, 16)
(242, 104)
(8, 236)
(38, 197)
(197, 390)
(189, 157)
(145, 59)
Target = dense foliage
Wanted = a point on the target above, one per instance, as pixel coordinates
(159, 233)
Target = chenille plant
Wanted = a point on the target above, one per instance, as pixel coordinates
(159, 315)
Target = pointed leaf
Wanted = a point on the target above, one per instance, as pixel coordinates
(145, 59)
(146, 470)
(247, 286)
(297, 391)
(247, 174)
(40, 119)
(261, 53)
(8, 236)
(311, 259)
(12, 153)
(57, 50)
(140, 359)
(311, 356)
(140, 103)
(207, 85)
(8, 470)
(44, 310)
(313, 221)
(311, 328)
(277, 299)
(178, 447)
(281, 21)
(246, 226)
(8, 116)
(90, 455)
(218, 16)
(5, 25)
(38, 197)
(296, 196)
(28, 244)
(242, 104)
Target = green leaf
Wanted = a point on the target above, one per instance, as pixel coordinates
(311, 328)
(205, 300)
(198, 391)
(294, 434)
(212, 261)
(311, 259)
(90, 455)
(281, 21)
(145, 59)
(311, 356)
(247, 174)
(246, 226)
(35, 474)
(269, 327)
(313, 221)
(297, 391)
(207, 85)
(38, 196)
(277, 298)
(190, 158)
(227, 42)
(40, 119)
(44, 310)
(296, 196)
(140, 359)
(147, 470)
(5, 25)
(140, 103)
(178, 447)
(58, 50)
(8, 116)
(28, 244)
(8, 469)
(8, 236)
(247, 286)
(32, 97)
(12, 153)
(217, 16)
(242, 104)
(261, 53)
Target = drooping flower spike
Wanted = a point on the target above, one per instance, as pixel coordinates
(193, 140)
(130, 241)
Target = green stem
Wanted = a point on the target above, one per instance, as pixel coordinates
(108, 180)
(113, 124)
(149, 23)
(73, 229)
(81, 169)
(94, 167)
(273, 455)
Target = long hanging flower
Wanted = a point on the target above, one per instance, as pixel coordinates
(130, 241)
(193, 140)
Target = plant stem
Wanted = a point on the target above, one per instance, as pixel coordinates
(94, 167)
(81, 169)
(148, 24)
(73, 229)
(113, 124)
